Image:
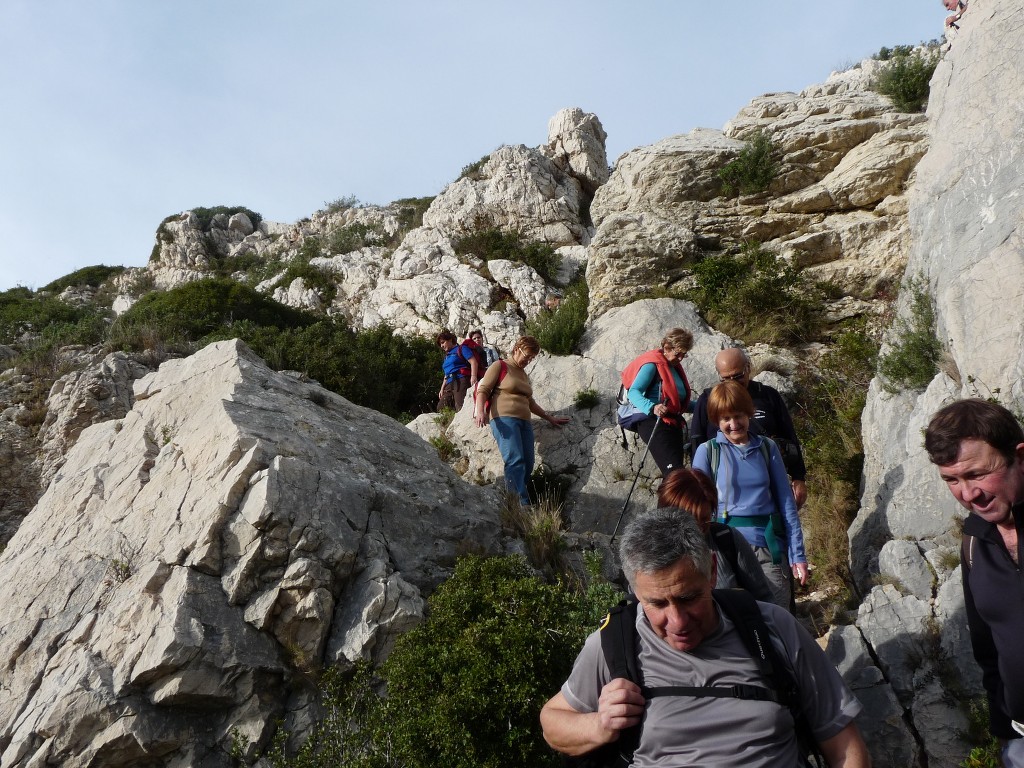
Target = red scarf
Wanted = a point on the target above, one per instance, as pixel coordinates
(669, 392)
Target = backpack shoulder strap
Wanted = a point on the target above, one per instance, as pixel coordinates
(714, 457)
(967, 550)
(618, 643)
(741, 608)
(726, 545)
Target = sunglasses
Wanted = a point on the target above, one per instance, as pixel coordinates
(734, 377)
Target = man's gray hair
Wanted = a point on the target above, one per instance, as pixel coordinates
(656, 540)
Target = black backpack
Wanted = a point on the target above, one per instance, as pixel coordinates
(618, 642)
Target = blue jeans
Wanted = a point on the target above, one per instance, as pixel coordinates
(515, 441)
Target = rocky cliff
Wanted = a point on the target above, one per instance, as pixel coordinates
(212, 529)
(196, 554)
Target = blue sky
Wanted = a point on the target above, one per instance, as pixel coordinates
(117, 113)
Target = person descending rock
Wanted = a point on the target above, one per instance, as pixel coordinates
(771, 418)
(504, 400)
(490, 352)
(659, 395)
(461, 371)
(754, 494)
(706, 698)
(978, 448)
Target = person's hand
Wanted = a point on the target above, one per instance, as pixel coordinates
(951, 20)
(481, 418)
(621, 705)
(799, 492)
(800, 572)
(661, 410)
(558, 421)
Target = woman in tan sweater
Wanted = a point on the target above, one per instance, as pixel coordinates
(504, 399)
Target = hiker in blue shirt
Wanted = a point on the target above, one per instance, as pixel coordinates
(754, 493)
(461, 371)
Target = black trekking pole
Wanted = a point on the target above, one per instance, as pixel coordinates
(637, 477)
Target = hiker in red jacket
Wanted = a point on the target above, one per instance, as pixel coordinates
(659, 395)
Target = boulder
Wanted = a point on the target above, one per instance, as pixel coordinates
(192, 561)
(517, 190)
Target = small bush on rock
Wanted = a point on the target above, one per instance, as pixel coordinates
(754, 296)
(205, 215)
(913, 358)
(490, 243)
(93, 277)
(559, 331)
(465, 687)
(754, 168)
(374, 368)
(906, 76)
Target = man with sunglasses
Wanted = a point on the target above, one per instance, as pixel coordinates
(978, 448)
(771, 418)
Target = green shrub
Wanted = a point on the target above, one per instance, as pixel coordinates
(828, 418)
(464, 689)
(90, 276)
(342, 204)
(754, 168)
(913, 359)
(757, 297)
(410, 212)
(205, 215)
(905, 78)
(586, 399)
(446, 449)
(354, 236)
(24, 312)
(559, 331)
(190, 313)
(490, 243)
(474, 171)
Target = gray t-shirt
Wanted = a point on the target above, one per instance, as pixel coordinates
(710, 732)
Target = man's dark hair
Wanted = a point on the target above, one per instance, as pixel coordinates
(971, 420)
(446, 336)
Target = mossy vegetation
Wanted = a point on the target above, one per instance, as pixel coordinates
(489, 243)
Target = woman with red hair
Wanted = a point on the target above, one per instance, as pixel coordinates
(735, 562)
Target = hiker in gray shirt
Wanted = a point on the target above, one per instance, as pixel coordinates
(685, 640)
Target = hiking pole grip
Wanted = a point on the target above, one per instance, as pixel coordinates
(636, 477)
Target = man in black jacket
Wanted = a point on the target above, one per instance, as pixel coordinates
(771, 418)
(978, 447)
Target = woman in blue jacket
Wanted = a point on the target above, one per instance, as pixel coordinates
(754, 494)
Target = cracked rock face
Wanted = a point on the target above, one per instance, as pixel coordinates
(235, 528)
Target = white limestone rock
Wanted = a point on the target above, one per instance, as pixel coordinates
(576, 143)
(889, 740)
(518, 190)
(195, 554)
(88, 395)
